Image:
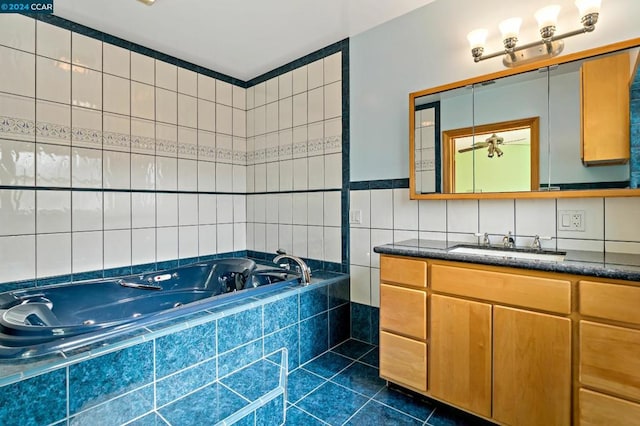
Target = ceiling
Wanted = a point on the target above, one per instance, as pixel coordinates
(240, 38)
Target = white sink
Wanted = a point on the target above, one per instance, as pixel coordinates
(514, 254)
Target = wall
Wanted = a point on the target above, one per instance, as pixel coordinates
(428, 48)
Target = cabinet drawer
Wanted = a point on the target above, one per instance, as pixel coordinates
(403, 271)
(403, 361)
(609, 358)
(521, 290)
(611, 301)
(403, 310)
(597, 409)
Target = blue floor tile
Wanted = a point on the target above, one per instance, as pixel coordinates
(332, 403)
(361, 378)
(151, 419)
(220, 403)
(255, 380)
(405, 403)
(300, 382)
(353, 348)
(374, 413)
(448, 416)
(328, 364)
(272, 413)
(297, 417)
(372, 358)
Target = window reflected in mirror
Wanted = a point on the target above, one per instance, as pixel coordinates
(497, 157)
(427, 148)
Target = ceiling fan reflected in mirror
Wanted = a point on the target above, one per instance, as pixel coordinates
(492, 144)
(147, 2)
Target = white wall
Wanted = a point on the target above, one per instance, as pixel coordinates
(428, 48)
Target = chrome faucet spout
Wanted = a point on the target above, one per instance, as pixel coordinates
(305, 271)
(508, 241)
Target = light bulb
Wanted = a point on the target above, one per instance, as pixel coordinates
(547, 16)
(477, 38)
(588, 6)
(510, 27)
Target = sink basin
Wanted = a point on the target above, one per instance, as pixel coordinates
(549, 256)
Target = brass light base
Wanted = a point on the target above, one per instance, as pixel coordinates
(533, 54)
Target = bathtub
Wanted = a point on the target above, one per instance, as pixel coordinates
(61, 318)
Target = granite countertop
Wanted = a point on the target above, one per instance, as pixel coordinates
(620, 266)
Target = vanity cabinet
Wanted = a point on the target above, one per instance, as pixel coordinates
(609, 353)
(605, 110)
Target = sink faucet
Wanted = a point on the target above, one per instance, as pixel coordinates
(485, 238)
(508, 241)
(305, 271)
(536, 245)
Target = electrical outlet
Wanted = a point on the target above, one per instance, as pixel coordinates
(571, 220)
(355, 217)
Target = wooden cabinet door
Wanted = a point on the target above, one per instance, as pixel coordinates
(403, 311)
(597, 409)
(403, 361)
(460, 357)
(532, 368)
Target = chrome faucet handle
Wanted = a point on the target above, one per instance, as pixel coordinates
(536, 242)
(485, 238)
(508, 240)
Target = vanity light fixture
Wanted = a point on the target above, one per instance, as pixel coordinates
(549, 44)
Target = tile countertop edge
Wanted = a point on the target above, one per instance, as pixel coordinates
(586, 268)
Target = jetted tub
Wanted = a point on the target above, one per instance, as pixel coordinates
(44, 320)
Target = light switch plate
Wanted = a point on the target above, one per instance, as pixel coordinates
(355, 217)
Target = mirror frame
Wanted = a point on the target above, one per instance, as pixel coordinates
(581, 193)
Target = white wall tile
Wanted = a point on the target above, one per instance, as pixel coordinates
(53, 42)
(86, 251)
(187, 82)
(187, 175)
(286, 175)
(405, 211)
(86, 211)
(143, 246)
(580, 244)
(260, 94)
(187, 111)
(53, 79)
(53, 212)
(239, 208)
(300, 240)
(285, 208)
(143, 171)
(87, 127)
(285, 85)
(402, 235)
(166, 106)
(53, 165)
(299, 109)
(166, 173)
(17, 212)
(187, 209)
(462, 216)
(166, 243)
(18, 257)
(117, 248)
(316, 172)
(621, 247)
(621, 216)
(240, 236)
(332, 244)
(378, 238)
(117, 210)
(299, 201)
(206, 88)
(315, 105)
(116, 60)
(21, 168)
(315, 208)
(315, 246)
(375, 287)
(224, 177)
(207, 209)
(207, 240)
(432, 215)
(332, 68)
(86, 168)
(117, 97)
(142, 68)
(260, 237)
(273, 176)
(315, 73)
(535, 217)
(360, 284)
(239, 174)
(21, 108)
(224, 117)
(142, 100)
(167, 209)
(206, 176)
(285, 237)
(53, 254)
(285, 113)
(271, 208)
(86, 51)
(143, 136)
(382, 209)
(361, 201)
(166, 75)
(239, 97)
(224, 93)
(496, 216)
(116, 169)
(594, 217)
(360, 246)
(17, 31)
(260, 177)
(187, 242)
(300, 80)
(333, 100)
(225, 208)
(143, 210)
(272, 90)
(116, 132)
(225, 238)
(333, 171)
(332, 209)
(206, 115)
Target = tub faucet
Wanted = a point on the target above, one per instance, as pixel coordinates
(508, 241)
(305, 271)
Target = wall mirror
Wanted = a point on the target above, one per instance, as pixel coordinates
(574, 111)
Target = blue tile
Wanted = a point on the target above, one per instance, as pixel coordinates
(149, 420)
(332, 403)
(353, 348)
(339, 325)
(255, 380)
(248, 420)
(405, 403)
(238, 329)
(374, 413)
(287, 338)
(314, 337)
(300, 382)
(37, 401)
(272, 413)
(448, 416)
(119, 410)
(313, 302)
(236, 359)
(297, 417)
(102, 378)
(179, 350)
(339, 293)
(328, 365)
(361, 378)
(280, 314)
(375, 326)
(372, 358)
(361, 322)
(173, 387)
(193, 410)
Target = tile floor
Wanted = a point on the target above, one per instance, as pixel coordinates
(342, 387)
